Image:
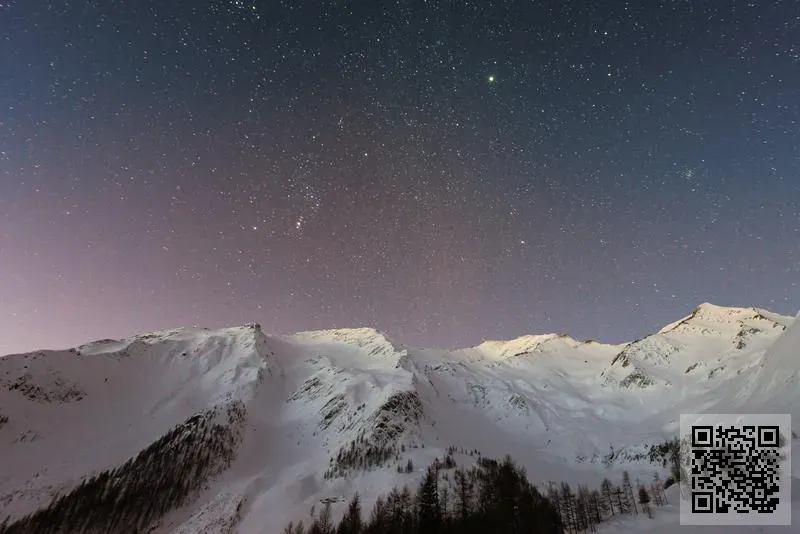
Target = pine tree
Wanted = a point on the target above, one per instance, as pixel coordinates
(324, 520)
(582, 510)
(429, 514)
(659, 488)
(675, 460)
(567, 506)
(507, 490)
(596, 509)
(351, 521)
(379, 518)
(607, 501)
(656, 490)
(644, 500)
(463, 496)
(396, 511)
(627, 487)
(407, 525)
(555, 500)
(444, 502)
(581, 524)
(621, 498)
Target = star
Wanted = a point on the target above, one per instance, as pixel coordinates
(383, 147)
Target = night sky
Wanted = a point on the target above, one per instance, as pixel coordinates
(443, 171)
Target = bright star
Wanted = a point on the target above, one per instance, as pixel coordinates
(491, 78)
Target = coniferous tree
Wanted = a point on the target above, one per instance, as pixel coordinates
(567, 506)
(595, 508)
(607, 501)
(658, 490)
(429, 514)
(581, 510)
(463, 496)
(398, 508)
(506, 483)
(408, 524)
(444, 503)
(621, 498)
(644, 500)
(655, 495)
(393, 505)
(627, 487)
(379, 518)
(351, 521)
(655, 492)
(675, 460)
(324, 520)
(484, 473)
(545, 518)
(554, 498)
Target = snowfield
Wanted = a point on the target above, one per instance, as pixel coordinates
(329, 413)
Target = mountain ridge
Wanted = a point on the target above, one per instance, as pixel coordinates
(705, 310)
(325, 413)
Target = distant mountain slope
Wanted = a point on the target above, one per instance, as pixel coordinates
(319, 415)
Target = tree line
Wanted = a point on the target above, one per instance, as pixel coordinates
(375, 446)
(492, 496)
(128, 499)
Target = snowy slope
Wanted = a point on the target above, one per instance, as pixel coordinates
(332, 412)
(666, 520)
(84, 410)
(773, 389)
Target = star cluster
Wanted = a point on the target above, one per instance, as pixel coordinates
(443, 171)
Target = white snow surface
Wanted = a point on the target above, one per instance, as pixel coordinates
(555, 404)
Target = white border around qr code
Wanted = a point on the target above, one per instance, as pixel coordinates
(691, 514)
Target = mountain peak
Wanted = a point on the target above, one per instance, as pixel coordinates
(707, 314)
(363, 332)
(728, 314)
(520, 345)
(707, 309)
(374, 340)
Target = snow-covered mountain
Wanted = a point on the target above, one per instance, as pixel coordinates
(293, 420)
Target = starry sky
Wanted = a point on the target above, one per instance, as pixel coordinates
(444, 171)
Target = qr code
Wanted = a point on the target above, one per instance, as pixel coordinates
(736, 465)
